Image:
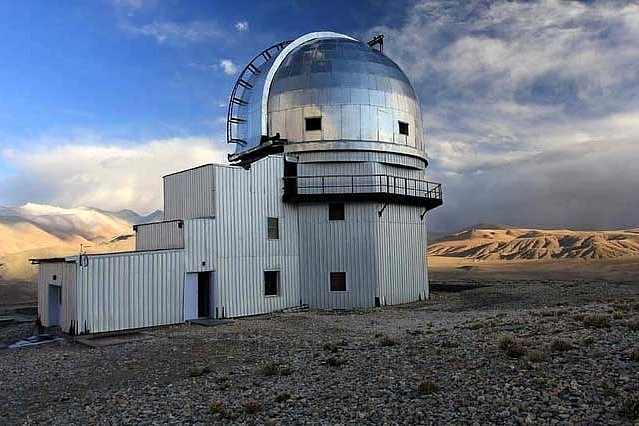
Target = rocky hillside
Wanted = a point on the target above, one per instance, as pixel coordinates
(489, 242)
(36, 230)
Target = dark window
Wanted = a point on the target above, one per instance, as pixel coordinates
(271, 283)
(338, 281)
(336, 211)
(273, 228)
(313, 123)
(403, 128)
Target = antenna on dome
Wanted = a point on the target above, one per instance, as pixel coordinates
(377, 40)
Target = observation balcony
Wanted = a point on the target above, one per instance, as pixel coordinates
(380, 187)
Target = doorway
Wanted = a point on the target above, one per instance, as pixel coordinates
(199, 293)
(55, 304)
(203, 294)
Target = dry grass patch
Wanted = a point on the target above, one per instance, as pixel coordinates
(514, 348)
(536, 356)
(560, 345)
(427, 387)
(270, 368)
(597, 320)
(630, 407)
(252, 407)
(218, 407)
(387, 341)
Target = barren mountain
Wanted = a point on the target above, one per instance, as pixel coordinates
(37, 230)
(489, 242)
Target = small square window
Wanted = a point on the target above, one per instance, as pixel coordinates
(313, 123)
(273, 228)
(338, 281)
(271, 283)
(336, 211)
(403, 128)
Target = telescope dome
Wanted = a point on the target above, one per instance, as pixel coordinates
(327, 91)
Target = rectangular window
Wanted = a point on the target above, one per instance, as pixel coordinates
(338, 281)
(403, 128)
(273, 228)
(271, 283)
(336, 211)
(313, 123)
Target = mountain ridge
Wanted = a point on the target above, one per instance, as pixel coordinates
(503, 242)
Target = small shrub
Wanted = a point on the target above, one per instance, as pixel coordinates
(630, 407)
(588, 341)
(198, 371)
(536, 356)
(218, 407)
(597, 320)
(387, 341)
(633, 325)
(579, 317)
(634, 355)
(335, 361)
(449, 344)
(285, 371)
(284, 396)
(427, 387)
(514, 348)
(269, 368)
(559, 345)
(252, 407)
(330, 347)
(617, 315)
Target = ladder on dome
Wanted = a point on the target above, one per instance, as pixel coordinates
(242, 86)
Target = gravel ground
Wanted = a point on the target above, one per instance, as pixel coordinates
(573, 357)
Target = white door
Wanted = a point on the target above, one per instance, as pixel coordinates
(190, 296)
(55, 300)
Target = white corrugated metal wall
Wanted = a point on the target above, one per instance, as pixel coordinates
(190, 193)
(245, 199)
(65, 278)
(200, 245)
(130, 290)
(159, 235)
(338, 246)
(401, 255)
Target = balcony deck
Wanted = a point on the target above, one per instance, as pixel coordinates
(379, 187)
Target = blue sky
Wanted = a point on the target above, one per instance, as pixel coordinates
(531, 109)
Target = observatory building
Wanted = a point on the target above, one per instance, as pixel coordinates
(324, 204)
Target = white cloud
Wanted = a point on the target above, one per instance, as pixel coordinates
(523, 103)
(189, 32)
(110, 176)
(242, 26)
(228, 66)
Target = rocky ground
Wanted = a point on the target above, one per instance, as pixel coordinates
(538, 352)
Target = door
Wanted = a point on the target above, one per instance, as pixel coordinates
(203, 295)
(190, 296)
(55, 303)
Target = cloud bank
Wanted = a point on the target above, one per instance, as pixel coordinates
(111, 176)
(531, 109)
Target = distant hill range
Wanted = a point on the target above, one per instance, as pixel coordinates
(500, 242)
(37, 230)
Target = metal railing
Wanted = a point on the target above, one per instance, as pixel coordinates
(361, 184)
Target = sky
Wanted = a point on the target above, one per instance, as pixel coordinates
(531, 109)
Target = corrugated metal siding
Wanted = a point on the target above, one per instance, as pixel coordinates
(401, 252)
(359, 156)
(190, 194)
(159, 235)
(130, 290)
(338, 246)
(66, 279)
(245, 199)
(201, 245)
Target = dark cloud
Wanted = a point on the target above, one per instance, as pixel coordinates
(531, 109)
